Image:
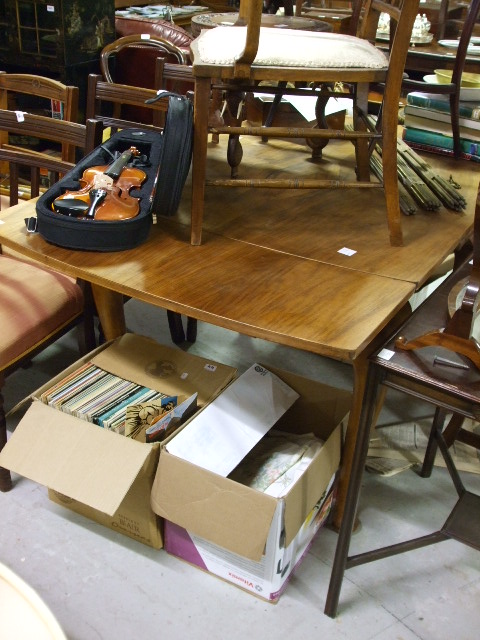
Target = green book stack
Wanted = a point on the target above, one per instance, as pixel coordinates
(428, 125)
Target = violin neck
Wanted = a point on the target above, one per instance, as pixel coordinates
(116, 168)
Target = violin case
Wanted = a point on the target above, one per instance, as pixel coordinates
(165, 158)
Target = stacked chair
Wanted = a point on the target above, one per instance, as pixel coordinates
(163, 65)
(238, 58)
(38, 305)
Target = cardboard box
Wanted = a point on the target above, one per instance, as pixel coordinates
(267, 578)
(239, 533)
(101, 475)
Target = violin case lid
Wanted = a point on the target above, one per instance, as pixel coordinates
(165, 158)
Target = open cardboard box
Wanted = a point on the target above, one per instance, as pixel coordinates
(243, 535)
(101, 475)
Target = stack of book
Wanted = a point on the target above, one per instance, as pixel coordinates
(95, 395)
(428, 127)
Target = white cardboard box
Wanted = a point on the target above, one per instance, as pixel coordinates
(235, 531)
(266, 578)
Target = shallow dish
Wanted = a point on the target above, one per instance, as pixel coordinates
(467, 94)
(472, 49)
(472, 80)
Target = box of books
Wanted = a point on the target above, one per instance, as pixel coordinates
(92, 434)
(246, 483)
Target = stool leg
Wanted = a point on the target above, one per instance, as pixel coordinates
(431, 450)
(353, 491)
(450, 433)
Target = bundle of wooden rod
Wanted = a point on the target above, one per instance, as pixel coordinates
(418, 182)
(407, 203)
(446, 190)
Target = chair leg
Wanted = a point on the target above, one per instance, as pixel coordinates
(176, 327)
(87, 339)
(390, 171)
(5, 477)
(177, 332)
(200, 138)
(191, 330)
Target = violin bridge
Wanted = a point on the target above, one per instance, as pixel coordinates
(102, 181)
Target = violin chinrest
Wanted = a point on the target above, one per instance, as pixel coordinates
(70, 206)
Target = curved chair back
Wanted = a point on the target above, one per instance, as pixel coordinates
(132, 60)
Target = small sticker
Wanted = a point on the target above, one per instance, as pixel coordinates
(386, 354)
(50, 8)
(20, 116)
(145, 36)
(184, 376)
(346, 251)
(211, 367)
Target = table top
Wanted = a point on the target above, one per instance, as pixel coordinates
(317, 225)
(430, 56)
(269, 265)
(210, 20)
(237, 285)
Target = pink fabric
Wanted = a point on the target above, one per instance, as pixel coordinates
(34, 302)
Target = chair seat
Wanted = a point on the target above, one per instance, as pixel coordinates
(290, 48)
(34, 303)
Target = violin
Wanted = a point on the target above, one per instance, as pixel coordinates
(104, 192)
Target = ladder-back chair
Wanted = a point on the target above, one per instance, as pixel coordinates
(43, 96)
(238, 58)
(101, 95)
(38, 305)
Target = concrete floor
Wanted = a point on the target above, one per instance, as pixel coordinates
(101, 585)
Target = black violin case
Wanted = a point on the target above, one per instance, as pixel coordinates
(165, 159)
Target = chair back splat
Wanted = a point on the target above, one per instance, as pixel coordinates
(236, 59)
(21, 91)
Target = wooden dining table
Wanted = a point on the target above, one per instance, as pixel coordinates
(313, 271)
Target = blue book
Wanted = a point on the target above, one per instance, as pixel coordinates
(441, 103)
(438, 143)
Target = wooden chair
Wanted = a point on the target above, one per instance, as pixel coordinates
(449, 20)
(33, 93)
(38, 305)
(126, 46)
(343, 16)
(238, 58)
(452, 89)
(47, 130)
(102, 94)
(132, 60)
